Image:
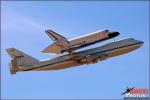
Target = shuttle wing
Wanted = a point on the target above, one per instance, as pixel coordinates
(54, 36)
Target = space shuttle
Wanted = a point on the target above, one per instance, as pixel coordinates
(62, 44)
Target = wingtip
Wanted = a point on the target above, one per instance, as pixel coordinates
(10, 50)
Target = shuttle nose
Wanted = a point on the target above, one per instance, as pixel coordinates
(113, 34)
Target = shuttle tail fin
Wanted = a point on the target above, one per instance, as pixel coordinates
(19, 59)
(55, 36)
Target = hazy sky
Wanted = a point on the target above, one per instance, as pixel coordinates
(23, 24)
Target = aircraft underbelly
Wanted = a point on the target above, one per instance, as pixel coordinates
(62, 65)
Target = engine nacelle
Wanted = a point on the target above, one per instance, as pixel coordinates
(89, 59)
(103, 57)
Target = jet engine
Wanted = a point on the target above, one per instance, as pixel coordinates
(89, 59)
(103, 57)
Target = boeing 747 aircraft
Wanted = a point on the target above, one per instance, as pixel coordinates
(23, 62)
